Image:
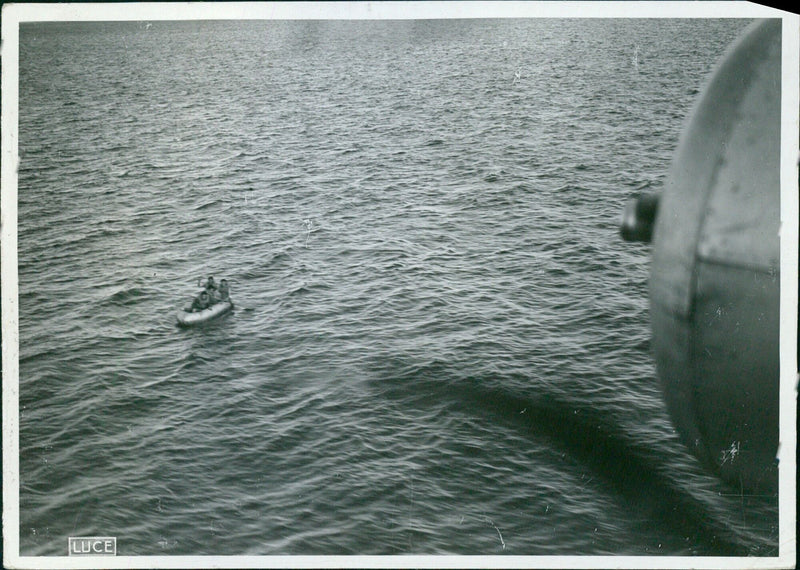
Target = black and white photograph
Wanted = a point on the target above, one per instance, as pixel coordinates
(399, 284)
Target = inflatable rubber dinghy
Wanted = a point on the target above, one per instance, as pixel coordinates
(188, 319)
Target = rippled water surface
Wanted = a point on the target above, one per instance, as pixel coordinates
(440, 344)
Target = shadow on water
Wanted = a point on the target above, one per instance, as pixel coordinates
(633, 470)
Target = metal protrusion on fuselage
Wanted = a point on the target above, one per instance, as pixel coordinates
(639, 218)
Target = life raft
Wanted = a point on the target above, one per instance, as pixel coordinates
(189, 319)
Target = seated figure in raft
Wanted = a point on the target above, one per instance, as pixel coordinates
(211, 288)
(201, 302)
(223, 293)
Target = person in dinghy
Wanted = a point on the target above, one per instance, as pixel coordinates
(210, 295)
(200, 303)
(212, 302)
(223, 293)
(211, 288)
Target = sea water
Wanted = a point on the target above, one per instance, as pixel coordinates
(440, 344)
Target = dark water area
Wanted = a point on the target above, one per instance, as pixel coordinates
(440, 344)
